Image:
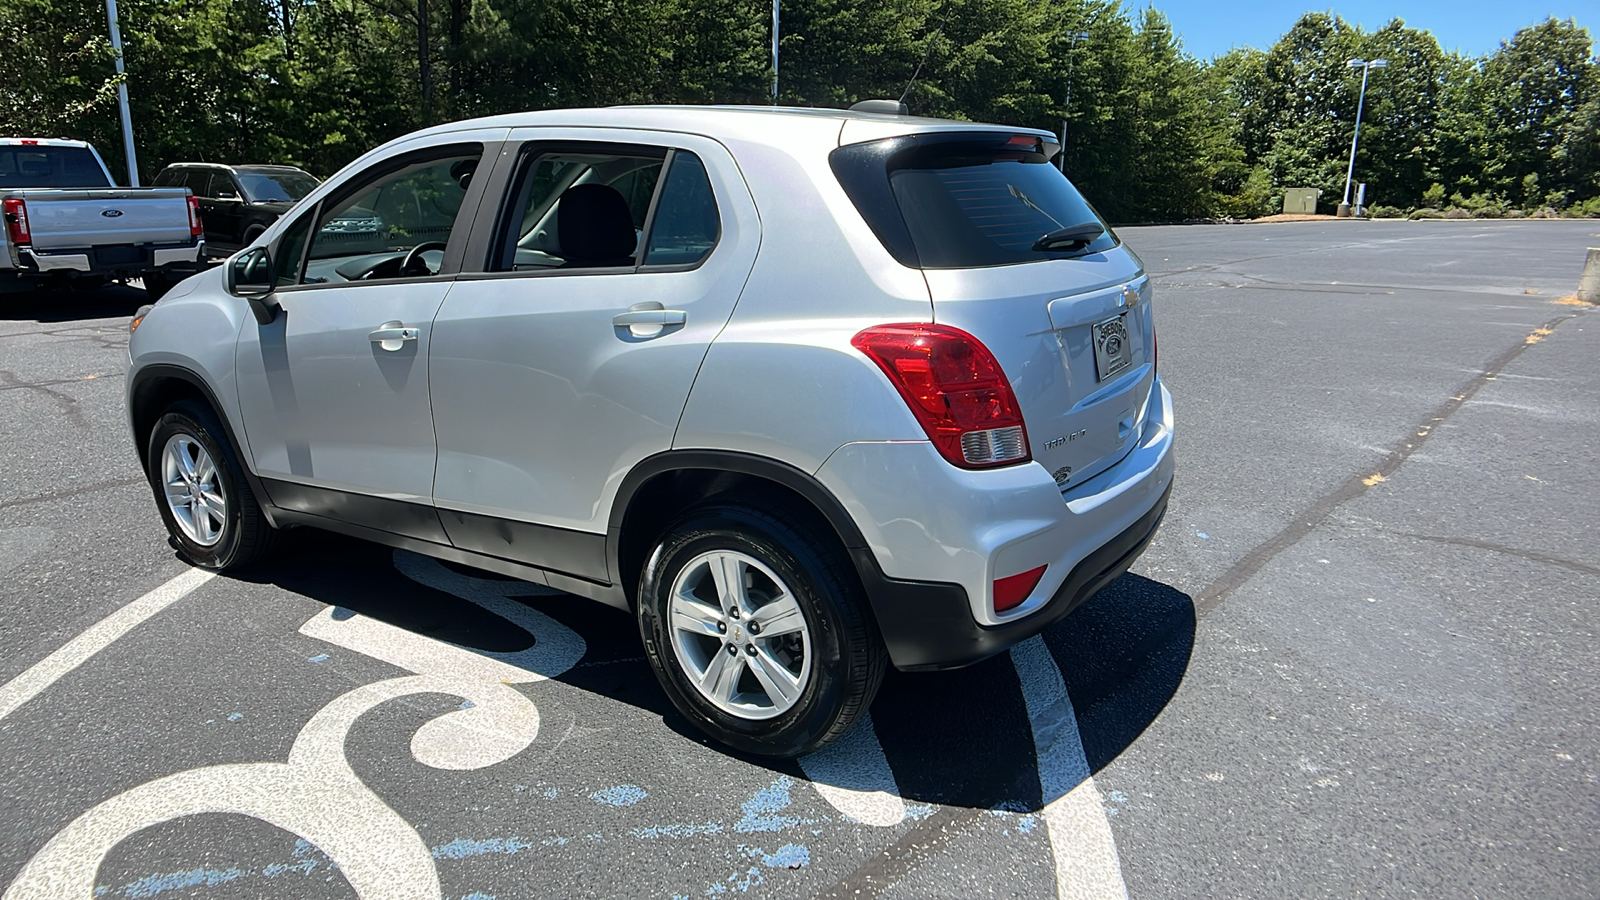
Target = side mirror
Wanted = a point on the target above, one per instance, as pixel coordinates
(251, 276)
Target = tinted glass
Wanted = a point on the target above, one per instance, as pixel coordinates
(280, 186)
(168, 178)
(50, 167)
(197, 181)
(615, 189)
(291, 249)
(686, 225)
(368, 233)
(987, 209)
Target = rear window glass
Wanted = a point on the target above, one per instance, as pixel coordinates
(50, 167)
(990, 209)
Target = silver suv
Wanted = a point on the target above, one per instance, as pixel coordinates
(809, 392)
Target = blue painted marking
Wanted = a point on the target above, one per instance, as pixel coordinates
(478, 895)
(621, 795)
(1026, 823)
(234, 717)
(151, 885)
(461, 849)
(1203, 535)
(789, 856)
(759, 809)
(320, 657)
(676, 831)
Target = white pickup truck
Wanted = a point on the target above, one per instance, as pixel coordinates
(65, 219)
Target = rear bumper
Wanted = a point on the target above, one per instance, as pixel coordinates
(928, 626)
(937, 537)
(112, 261)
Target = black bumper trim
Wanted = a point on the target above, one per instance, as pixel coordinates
(929, 626)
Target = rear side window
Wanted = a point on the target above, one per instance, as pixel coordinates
(969, 201)
(578, 207)
(50, 167)
(686, 224)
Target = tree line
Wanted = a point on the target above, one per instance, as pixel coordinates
(1153, 134)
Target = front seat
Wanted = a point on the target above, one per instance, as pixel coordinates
(595, 227)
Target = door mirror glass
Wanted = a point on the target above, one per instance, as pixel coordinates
(251, 275)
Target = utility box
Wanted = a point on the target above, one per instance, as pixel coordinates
(1301, 200)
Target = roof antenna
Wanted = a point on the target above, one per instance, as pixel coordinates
(944, 14)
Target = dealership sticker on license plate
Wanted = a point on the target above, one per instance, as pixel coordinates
(1111, 351)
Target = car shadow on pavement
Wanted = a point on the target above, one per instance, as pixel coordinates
(67, 304)
(958, 738)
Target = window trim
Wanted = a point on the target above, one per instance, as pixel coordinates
(464, 224)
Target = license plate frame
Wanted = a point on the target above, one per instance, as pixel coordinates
(1112, 353)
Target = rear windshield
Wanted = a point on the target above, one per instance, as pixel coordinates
(50, 167)
(969, 202)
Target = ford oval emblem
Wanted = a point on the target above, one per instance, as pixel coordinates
(111, 213)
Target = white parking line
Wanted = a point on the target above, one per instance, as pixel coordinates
(95, 638)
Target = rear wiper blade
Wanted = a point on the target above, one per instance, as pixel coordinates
(1072, 237)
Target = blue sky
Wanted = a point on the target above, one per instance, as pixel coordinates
(1210, 27)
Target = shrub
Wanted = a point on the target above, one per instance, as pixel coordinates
(1488, 212)
(1456, 212)
(1387, 212)
(1515, 214)
(1427, 212)
(1589, 208)
(1546, 212)
(1433, 197)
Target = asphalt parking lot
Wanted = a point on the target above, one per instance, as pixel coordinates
(1358, 659)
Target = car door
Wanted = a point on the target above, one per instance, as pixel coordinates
(222, 211)
(334, 390)
(616, 258)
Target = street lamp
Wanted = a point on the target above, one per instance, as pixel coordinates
(1366, 67)
(1066, 101)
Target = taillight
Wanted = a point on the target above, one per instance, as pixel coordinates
(16, 216)
(194, 217)
(1009, 592)
(955, 388)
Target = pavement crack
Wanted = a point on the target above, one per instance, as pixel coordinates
(70, 492)
(1359, 483)
(898, 860)
(68, 403)
(1533, 555)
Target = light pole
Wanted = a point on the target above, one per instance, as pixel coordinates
(774, 52)
(122, 94)
(1366, 66)
(1066, 101)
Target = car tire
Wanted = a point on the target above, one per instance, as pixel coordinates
(189, 456)
(834, 661)
(251, 234)
(156, 286)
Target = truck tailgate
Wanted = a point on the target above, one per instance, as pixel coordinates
(78, 219)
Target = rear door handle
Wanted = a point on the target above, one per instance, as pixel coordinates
(393, 335)
(649, 317)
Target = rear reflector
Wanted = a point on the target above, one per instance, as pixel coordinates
(1009, 592)
(16, 216)
(955, 388)
(195, 230)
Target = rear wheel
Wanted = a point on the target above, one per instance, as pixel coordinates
(204, 499)
(757, 630)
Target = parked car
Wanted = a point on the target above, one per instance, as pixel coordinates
(237, 203)
(66, 219)
(808, 392)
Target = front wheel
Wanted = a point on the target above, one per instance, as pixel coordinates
(204, 499)
(757, 630)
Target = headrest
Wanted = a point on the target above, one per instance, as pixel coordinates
(593, 223)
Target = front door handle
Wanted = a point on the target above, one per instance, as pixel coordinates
(392, 336)
(648, 319)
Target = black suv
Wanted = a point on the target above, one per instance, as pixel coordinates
(237, 203)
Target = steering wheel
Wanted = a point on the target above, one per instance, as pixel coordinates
(409, 265)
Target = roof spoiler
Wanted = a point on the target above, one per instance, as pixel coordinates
(884, 107)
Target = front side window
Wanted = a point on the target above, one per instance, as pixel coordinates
(397, 225)
(580, 208)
